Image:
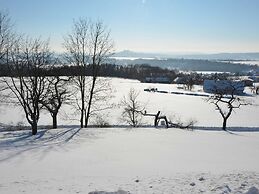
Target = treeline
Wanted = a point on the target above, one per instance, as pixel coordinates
(139, 72)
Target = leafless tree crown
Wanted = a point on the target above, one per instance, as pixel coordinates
(89, 44)
(226, 101)
(133, 109)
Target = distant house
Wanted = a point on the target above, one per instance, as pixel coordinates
(248, 82)
(160, 79)
(223, 86)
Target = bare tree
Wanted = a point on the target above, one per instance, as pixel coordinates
(89, 45)
(7, 39)
(133, 109)
(100, 48)
(189, 84)
(55, 95)
(7, 36)
(226, 101)
(27, 60)
(101, 97)
(76, 44)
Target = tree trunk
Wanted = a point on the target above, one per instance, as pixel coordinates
(34, 127)
(82, 88)
(82, 118)
(133, 119)
(156, 119)
(166, 122)
(224, 127)
(90, 103)
(54, 118)
(88, 112)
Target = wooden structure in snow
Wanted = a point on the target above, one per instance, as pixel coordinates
(167, 123)
(158, 117)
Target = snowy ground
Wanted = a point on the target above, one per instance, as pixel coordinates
(142, 160)
(184, 107)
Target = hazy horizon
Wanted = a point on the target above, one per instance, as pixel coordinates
(166, 26)
(185, 52)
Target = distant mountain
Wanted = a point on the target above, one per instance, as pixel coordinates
(216, 56)
(128, 53)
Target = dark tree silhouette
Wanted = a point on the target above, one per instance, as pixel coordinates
(31, 55)
(100, 48)
(88, 46)
(76, 44)
(55, 95)
(226, 100)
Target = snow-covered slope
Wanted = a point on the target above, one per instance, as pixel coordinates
(142, 160)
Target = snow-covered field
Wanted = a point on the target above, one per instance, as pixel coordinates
(142, 160)
(184, 107)
(136, 161)
(248, 62)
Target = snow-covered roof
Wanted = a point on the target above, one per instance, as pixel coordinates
(223, 86)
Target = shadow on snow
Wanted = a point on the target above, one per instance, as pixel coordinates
(229, 129)
(15, 143)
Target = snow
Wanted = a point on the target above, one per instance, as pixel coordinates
(70, 160)
(124, 160)
(184, 107)
(247, 62)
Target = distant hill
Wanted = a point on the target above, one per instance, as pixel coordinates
(216, 56)
(128, 53)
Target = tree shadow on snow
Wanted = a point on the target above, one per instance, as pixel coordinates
(229, 129)
(15, 143)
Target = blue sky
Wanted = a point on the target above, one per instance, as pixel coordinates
(205, 26)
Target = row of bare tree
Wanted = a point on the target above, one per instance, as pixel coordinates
(224, 100)
(88, 44)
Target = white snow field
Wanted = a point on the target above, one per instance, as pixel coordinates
(184, 107)
(141, 160)
(135, 160)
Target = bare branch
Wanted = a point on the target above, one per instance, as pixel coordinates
(226, 101)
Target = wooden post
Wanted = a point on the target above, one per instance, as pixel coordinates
(156, 119)
(166, 121)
